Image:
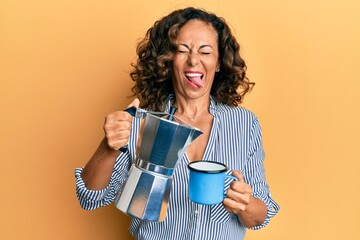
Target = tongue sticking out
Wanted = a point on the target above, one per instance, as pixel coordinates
(196, 80)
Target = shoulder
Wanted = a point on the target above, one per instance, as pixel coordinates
(240, 113)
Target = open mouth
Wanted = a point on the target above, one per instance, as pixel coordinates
(195, 79)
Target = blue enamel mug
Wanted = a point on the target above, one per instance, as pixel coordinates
(206, 182)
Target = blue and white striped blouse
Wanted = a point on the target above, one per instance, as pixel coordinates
(236, 141)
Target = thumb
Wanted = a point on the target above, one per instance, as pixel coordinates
(238, 175)
(134, 103)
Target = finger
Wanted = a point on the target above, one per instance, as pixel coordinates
(233, 206)
(122, 115)
(117, 139)
(134, 103)
(118, 116)
(241, 187)
(118, 135)
(238, 175)
(238, 196)
(117, 126)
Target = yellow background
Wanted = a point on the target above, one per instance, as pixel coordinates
(64, 65)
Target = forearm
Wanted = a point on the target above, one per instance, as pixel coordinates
(254, 214)
(97, 172)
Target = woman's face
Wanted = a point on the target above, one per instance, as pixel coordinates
(196, 59)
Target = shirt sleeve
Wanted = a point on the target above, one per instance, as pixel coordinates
(92, 199)
(254, 173)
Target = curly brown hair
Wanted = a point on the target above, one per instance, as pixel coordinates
(152, 72)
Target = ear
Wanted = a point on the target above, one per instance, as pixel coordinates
(217, 68)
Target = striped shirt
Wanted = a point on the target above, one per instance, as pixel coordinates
(236, 141)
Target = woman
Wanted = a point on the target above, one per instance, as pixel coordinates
(190, 60)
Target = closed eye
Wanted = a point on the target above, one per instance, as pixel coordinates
(183, 48)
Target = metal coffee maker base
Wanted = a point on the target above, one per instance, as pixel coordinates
(145, 195)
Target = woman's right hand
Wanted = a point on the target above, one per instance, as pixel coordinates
(117, 127)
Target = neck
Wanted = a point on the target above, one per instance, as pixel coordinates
(191, 110)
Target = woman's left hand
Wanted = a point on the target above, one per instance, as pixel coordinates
(250, 210)
(239, 195)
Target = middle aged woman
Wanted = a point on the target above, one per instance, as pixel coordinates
(191, 60)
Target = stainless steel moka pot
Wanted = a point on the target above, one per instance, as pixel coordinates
(147, 189)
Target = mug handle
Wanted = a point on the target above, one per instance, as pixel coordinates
(230, 176)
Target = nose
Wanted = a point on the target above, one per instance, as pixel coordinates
(193, 59)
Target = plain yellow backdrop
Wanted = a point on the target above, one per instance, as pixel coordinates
(64, 64)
